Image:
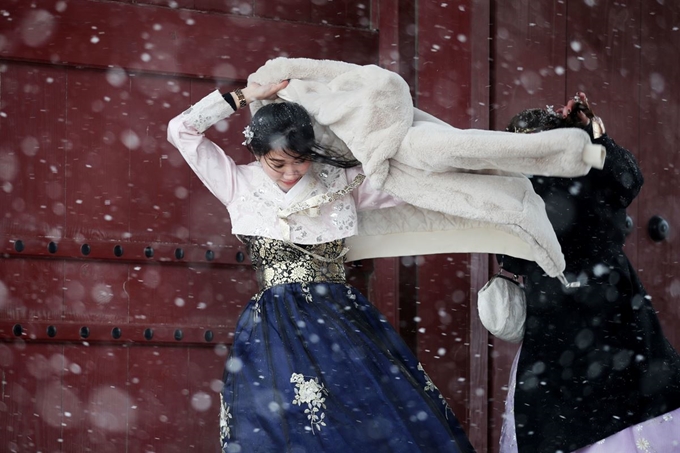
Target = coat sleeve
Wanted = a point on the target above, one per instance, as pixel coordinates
(621, 178)
(214, 168)
(435, 146)
(368, 198)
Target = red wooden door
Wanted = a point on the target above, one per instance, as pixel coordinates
(120, 282)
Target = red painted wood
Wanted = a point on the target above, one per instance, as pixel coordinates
(350, 13)
(444, 327)
(31, 397)
(480, 97)
(384, 288)
(164, 40)
(102, 332)
(407, 43)
(157, 174)
(32, 155)
(160, 400)
(112, 179)
(172, 3)
(95, 406)
(95, 292)
(217, 296)
(224, 6)
(659, 263)
(40, 247)
(293, 10)
(528, 57)
(97, 128)
(388, 24)
(204, 370)
(444, 89)
(479, 389)
(604, 62)
(444, 60)
(31, 289)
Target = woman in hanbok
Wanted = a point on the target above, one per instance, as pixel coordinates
(314, 367)
(594, 373)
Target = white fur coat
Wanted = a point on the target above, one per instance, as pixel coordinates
(465, 188)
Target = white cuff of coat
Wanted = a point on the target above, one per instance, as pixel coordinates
(594, 155)
(207, 111)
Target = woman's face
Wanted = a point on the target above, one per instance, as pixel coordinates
(284, 168)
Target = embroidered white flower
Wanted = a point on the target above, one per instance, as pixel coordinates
(248, 133)
(225, 416)
(308, 297)
(643, 445)
(430, 387)
(313, 394)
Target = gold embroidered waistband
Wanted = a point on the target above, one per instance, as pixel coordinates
(307, 271)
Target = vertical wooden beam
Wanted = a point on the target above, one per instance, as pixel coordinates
(480, 35)
(443, 79)
(387, 21)
(383, 287)
(384, 281)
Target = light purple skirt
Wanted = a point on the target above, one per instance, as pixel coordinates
(658, 435)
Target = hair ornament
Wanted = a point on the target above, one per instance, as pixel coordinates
(248, 134)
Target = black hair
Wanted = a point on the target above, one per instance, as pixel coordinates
(537, 120)
(287, 126)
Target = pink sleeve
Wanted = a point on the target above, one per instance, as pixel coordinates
(368, 198)
(214, 168)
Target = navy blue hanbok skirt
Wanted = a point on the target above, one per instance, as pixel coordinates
(316, 368)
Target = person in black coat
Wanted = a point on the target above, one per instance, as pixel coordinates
(593, 361)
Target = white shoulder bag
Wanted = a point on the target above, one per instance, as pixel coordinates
(502, 307)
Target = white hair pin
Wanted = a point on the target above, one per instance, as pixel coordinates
(248, 134)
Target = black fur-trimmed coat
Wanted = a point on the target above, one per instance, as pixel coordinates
(593, 360)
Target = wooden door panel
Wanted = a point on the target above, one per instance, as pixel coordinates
(97, 158)
(444, 327)
(219, 295)
(444, 70)
(32, 155)
(205, 368)
(31, 289)
(96, 401)
(658, 263)
(529, 65)
(172, 41)
(32, 396)
(447, 332)
(161, 403)
(159, 295)
(134, 330)
(95, 292)
(159, 179)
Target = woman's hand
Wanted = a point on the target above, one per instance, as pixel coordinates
(578, 106)
(256, 92)
(579, 109)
